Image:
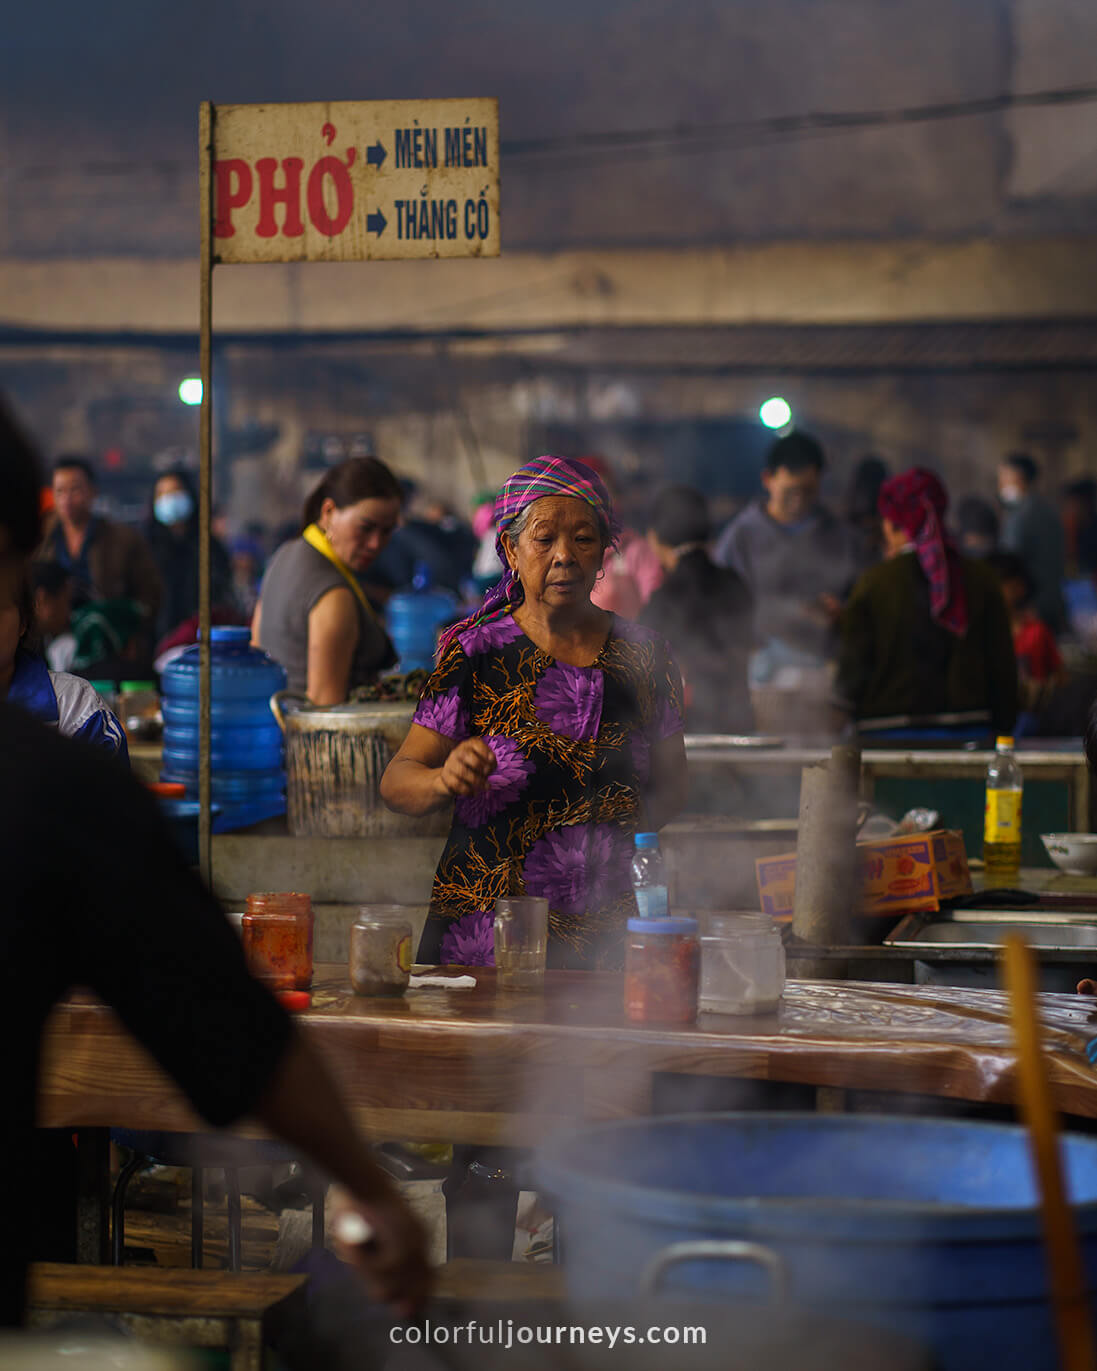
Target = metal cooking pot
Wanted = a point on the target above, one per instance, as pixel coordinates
(335, 758)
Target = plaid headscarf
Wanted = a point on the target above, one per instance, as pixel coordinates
(915, 501)
(537, 479)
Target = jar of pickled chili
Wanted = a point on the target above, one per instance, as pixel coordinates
(277, 932)
(662, 969)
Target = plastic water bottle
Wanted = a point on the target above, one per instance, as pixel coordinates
(649, 878)
(1002, 817)
(248, 780)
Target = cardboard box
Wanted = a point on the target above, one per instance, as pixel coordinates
(898, 875)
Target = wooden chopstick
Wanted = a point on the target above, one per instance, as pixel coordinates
(1069, 1298)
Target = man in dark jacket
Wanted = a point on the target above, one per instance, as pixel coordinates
(107, 561)
(705, 614)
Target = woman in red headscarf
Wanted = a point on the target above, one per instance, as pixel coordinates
(927, 631)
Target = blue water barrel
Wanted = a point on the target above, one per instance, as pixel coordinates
(248, 779)
(927, 1227)
(414, 617)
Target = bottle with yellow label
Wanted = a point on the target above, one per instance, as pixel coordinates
(1002, 818)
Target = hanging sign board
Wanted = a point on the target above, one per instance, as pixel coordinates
(354, 180)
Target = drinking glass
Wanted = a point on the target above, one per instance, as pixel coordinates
(521, 941)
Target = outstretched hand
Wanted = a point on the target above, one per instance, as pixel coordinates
(384, 1240)
(467, 768)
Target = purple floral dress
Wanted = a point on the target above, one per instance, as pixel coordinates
(573, 749)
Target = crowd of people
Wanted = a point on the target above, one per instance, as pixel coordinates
(891, 607)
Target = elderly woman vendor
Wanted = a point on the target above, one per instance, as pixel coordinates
(556, 727)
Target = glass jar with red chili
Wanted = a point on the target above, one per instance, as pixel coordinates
(277, 931)
(662, 968)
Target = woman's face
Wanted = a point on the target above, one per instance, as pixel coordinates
(358, 532)
(559, 552)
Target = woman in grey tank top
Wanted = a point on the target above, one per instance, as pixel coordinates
(313, 616)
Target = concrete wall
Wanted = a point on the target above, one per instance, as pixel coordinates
(98, 112)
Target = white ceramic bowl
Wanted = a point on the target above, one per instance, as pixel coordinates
(1074, 853)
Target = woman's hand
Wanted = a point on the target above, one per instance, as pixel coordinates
(467, 768)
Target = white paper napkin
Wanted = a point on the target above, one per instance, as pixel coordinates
(447, 982)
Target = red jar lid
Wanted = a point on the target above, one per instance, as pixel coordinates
(295, 999)
(167, 790)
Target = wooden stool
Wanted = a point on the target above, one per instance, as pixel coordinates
(177, 1307)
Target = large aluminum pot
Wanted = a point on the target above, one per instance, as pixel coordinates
(335, 758)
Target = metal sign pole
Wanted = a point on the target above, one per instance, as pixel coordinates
(205, 496)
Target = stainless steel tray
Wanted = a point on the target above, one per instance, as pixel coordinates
(732, 741)
(982, 930)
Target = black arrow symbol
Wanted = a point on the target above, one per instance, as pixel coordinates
(375, 223)
(375, 154)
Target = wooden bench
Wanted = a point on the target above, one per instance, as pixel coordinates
(181, 1308)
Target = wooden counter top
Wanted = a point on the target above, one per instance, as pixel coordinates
(487, 1065)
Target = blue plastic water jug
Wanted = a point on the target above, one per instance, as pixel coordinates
(248, 779)
(414, 618)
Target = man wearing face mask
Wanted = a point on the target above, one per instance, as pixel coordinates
(172, 534)
(1033, 530)
(795, 556)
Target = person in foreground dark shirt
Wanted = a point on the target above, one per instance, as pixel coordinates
(96, 894)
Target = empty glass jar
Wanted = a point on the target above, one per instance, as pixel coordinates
(742, 965)
(380, 950)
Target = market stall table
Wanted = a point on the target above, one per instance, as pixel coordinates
(758, 781)
(499, 1066)
(510, 1067)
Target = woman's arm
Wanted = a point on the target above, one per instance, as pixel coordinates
(669, 784)
(430, 770)
(333, 638)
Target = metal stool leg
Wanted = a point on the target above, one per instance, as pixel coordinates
(236, 1243)
(197, 1202)
(118, 1208)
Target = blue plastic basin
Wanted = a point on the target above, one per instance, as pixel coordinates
(929, 1227)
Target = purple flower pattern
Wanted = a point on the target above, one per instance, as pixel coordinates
(488, 637)
(510, 777)
(578, 868)
(569, 700)
(444, 714)
(470, 940)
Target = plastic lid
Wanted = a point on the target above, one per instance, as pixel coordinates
(294, 999)
(647, 840)
(137, 685)
(1004, 742)
(167, 790)
(230, 633)
(681, 926)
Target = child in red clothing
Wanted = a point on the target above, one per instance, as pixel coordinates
(1038, 661)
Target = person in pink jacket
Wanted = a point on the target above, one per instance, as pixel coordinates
(631, 572)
